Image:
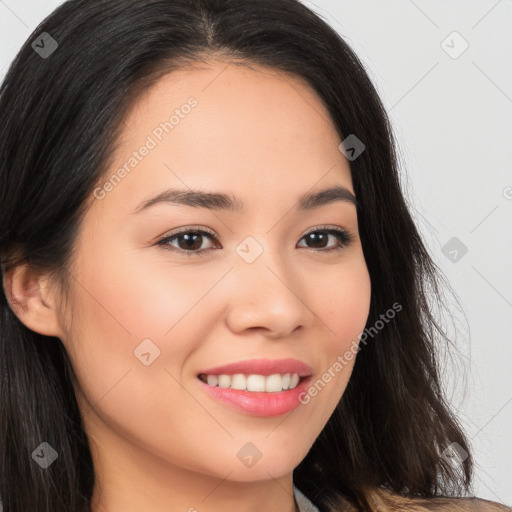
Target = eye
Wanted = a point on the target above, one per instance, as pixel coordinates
(320, 236)
(189, 242)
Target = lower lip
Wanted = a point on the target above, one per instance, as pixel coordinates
(258, 403)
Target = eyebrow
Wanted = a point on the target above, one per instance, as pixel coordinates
(221, 201)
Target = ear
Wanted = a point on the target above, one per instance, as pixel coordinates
(29, 296)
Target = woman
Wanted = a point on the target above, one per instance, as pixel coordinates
(214, 295)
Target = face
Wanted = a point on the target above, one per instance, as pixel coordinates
(165, 292)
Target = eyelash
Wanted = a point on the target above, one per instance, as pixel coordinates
(343, 236)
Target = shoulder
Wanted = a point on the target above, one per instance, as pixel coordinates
(470, 505)
(387, 500)
(445, 504)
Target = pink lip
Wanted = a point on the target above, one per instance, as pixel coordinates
(262, 367)
(259, 403)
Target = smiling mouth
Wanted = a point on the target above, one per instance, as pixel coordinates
(274, 383)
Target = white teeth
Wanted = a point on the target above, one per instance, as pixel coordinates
(274, 383)
(213, 380)
(256, 383)
(270, 384)
(224, 381)
(238, 381)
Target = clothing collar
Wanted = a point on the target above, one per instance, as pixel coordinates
(303, 503)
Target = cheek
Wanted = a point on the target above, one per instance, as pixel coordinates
(346, 303)
(142, 293)
(128, 306)
(118, 309)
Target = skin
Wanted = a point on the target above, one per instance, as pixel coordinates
(159, 442)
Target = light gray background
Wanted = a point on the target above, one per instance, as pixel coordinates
(452, 118)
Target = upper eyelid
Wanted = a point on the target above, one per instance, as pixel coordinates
(326, 227)
(191, 229)
(188, 229)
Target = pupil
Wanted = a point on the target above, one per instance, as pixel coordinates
(191, 243)
(318, 237)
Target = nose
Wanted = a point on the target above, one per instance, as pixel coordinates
(267, 295)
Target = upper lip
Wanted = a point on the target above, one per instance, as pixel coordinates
(261, 367)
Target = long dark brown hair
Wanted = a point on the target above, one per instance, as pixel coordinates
(60, 117)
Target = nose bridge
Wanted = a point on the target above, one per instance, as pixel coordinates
(267, 294)
(256, 256)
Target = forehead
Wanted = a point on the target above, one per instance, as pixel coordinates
(236, 103)
(251, 130)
